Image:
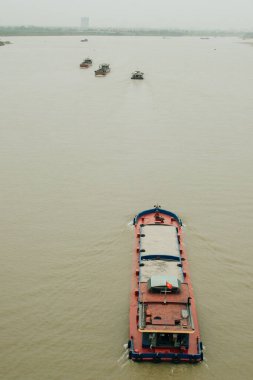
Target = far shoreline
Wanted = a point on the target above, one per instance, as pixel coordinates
(37, 31)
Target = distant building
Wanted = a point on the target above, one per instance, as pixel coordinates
(85, 22)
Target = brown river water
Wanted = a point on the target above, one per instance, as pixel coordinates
(80, 156)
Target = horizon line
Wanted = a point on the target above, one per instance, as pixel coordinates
(128, 28)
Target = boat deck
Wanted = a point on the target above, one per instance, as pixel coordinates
(160, 255)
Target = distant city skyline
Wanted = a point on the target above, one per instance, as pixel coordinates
(167, 14)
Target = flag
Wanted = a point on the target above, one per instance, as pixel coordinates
(168, 285)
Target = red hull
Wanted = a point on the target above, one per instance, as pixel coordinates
(157, 316)
(84, 65)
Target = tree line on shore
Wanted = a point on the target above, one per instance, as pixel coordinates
(68, 31)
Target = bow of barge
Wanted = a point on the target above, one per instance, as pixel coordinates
(163, 317)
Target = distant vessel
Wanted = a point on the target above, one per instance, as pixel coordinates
(137, 75)
(84, 40)
(163, 316)
(103, 69)
(2, 43)
(87, 62)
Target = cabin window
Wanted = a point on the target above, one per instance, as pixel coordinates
(165, 340)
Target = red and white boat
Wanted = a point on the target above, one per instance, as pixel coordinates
(163, 317)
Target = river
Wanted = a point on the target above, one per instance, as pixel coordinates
(80, 156)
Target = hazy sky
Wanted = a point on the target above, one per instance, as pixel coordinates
(196, 14)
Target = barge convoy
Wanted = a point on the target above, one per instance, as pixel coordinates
(163, 317)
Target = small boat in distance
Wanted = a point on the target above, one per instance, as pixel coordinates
(87, 62)
(103, 69)
(84, 40)
(137, 75)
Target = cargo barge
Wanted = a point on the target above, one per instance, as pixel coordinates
(87, 62)
(103, 70)
(163, 317)
(137, 75)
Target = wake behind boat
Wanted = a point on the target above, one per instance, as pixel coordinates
(163, 317)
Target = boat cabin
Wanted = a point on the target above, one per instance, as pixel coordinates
(104, 66)
(103, 69)
(164, 340)
(137, 75)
